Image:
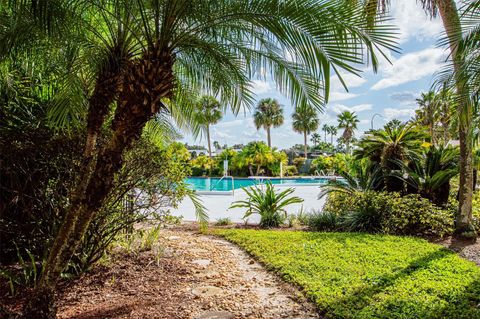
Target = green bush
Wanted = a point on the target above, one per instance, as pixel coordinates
(390, 213)
(323, 221)
(290, 170)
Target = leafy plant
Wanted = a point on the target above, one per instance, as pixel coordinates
(223, 221)
(269, 204)
(323, 221)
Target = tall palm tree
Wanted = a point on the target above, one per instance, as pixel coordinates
(209, 112)
(305, 120)
(152, 58)
(332, 130)
(325, 129)
(268, 114)
(427, 113)
(348, 122)
(315, 139)
(389, 147)
(462, 80)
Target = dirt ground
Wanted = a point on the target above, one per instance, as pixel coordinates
(188, 275)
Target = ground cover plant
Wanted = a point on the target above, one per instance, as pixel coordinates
(353, 275)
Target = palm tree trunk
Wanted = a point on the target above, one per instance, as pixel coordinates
(145, 82)
(305, 143)
(463, 221)
(209, 145)
(269, 140)
(325, 136)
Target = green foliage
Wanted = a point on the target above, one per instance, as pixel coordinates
(476, 209)
(224, 221)
(268, 113)
(384, 212)
(323, 221)
(268, 203)
(290, 170)
(202, 165)
(299, 162)
(338, 162)
(354, 275)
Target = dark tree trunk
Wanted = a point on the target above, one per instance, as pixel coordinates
(269, 138)
(145, 82)
(305, 146)
(208, 139)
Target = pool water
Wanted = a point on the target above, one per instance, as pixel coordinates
(215, 184)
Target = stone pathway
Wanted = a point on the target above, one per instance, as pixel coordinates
(227, 283)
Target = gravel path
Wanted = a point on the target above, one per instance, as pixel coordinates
(197, 276)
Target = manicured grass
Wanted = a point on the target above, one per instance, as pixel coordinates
(352, 275)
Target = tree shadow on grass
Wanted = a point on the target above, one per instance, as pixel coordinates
(460, 304)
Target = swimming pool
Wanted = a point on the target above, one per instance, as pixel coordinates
(215, 184)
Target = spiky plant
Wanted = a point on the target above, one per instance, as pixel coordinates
(268, 203)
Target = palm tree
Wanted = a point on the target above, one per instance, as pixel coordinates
(348, 121)
(268, 114)
(465, 76)
(209, 112)
(390, 147)
(332, 129)
(151, 59)
(325, 129)
(315, 139)
(427, 113)
(305, 120)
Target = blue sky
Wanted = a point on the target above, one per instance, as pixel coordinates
(391, 92)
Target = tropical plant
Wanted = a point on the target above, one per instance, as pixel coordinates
(430, 175)
(208, 112)
(461, 31)
(268, 114)
(427, 113)
(365, 177)
(390, 146)
(255, 154)
(332, 130)
(147, 60)
(325, 129)
(348, 122)
(305, 120)
(315, 138)
(269, 204)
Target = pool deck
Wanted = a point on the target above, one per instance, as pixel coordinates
(217, 204)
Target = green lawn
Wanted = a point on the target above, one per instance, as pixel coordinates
(352, 275)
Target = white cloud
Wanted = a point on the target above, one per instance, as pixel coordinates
(341, 96)
(261, 87)
(339, 108)
(412, 66)
(392, 113)
(338, 92)
(413, 22)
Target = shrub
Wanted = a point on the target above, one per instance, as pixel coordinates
(290, 170)
(299, 162)
(268, 203)
(224, 221)
(390, 213)
(323, 221)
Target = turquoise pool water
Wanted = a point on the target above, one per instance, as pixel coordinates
(214, 184)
